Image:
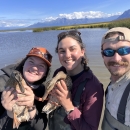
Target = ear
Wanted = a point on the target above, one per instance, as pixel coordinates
(83, 51)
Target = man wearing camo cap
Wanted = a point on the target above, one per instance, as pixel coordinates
(115, 49)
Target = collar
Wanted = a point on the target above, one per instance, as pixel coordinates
(85, 75)
(124, 78)
(32, 85)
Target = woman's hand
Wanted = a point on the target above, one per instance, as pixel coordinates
(8, 98)
(63, 95)
(28, 99)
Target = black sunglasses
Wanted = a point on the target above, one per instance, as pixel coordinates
(121, 51)
(72, 33)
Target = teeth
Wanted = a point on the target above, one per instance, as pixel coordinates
(68, 61)
(32, 73)
(116, 65)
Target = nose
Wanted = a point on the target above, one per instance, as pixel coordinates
(117, 57)
(67, 54)
(35, 67)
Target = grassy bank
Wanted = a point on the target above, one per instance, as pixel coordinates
(94, 25)
(120, 23)
(111, 24)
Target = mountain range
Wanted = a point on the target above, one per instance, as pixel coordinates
(66, 22)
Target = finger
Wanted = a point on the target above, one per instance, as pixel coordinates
(28, 91)
(59, 86)
(25, 103)
(8, 100)
(58, 93)
(24, 99)
(13, 97)
(7, 88)
(63, 84)
(22, 103)
(27, 88)
(11, 89)
(6, 93)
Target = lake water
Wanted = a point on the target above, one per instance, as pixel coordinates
(15, 45)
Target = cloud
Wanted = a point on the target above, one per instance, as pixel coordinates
(11, 23)
(4, 22)
(80, 15)
(16, 22)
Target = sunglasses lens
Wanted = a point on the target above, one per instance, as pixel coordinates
(108, 52)
(123, 51)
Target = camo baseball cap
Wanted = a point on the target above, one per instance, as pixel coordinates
(42, 53)
(125, 31)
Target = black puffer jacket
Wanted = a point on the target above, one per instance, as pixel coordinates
(40, 120)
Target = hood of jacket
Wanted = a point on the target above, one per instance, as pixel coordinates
(8, 69)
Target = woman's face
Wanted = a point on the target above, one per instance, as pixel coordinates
(70, 55)
(34, 69)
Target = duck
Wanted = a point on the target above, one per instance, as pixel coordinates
(53, 102)
(20, 113)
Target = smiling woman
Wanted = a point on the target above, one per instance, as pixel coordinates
(82, 105)
(34, 70)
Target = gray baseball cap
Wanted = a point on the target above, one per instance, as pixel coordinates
(125, 31)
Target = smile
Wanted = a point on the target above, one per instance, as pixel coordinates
(68, 61)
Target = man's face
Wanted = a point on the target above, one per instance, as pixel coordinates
(117, 65)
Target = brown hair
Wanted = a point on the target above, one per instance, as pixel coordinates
(112, 34)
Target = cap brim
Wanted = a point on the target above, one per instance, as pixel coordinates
(48, 63)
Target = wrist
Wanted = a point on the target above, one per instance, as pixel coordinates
(69, 111)
(10, 114)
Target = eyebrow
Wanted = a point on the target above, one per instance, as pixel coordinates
(43, 63)
(69, 47)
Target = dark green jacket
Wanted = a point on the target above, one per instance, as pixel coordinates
(40, 120)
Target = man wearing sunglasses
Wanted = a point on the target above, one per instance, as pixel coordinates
(115, 49)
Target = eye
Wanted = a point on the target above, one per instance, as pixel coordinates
(72, 49)
(61, 51)
(31, 62)
(42, 66)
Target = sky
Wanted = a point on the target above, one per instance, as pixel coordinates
(27, 12)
